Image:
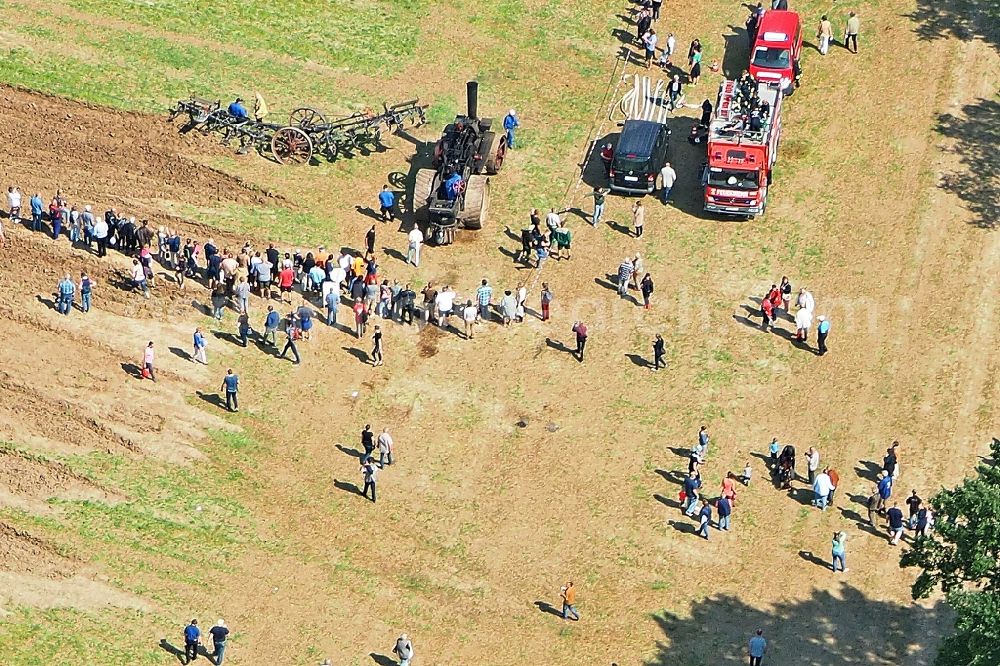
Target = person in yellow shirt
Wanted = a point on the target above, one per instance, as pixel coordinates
(259, 108)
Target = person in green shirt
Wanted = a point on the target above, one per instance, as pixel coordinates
(563, 238)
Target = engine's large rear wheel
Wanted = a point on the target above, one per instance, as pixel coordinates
(477, 202)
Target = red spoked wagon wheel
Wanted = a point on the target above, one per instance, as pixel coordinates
(290, 145)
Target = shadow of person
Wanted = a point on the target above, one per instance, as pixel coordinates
(809, 556)
(639, 361)
(394, 254)
(351, 452)
(346, 486)
(558, 346)
(132, 369)
(170, 648)
(368, 211)
(180, 353)
(547, 608)
(620, 228)
(359, 354)
(47, 302)
(212, 399)
(673, 504)
(683, 527)
(381, 659)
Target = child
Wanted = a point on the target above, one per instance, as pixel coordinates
(775, 447)
(664, 62)
(747, 472)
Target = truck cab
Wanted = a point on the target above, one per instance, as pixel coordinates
(774, 59)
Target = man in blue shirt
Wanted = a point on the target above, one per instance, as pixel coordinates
(36, 212)
(511, 123)
(725, 510)
(238, 111)
(884, 490)
(452, 186)
(66, 289)
(691, 485)
(271, 326)
(231, 385)
(757, 647)
(823, 331)
(192, 635)
(386, 200)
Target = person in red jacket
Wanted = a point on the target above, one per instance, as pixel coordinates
(286, 276)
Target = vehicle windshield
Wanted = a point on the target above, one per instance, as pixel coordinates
(771, 58)
(631, 163)
(733, 180)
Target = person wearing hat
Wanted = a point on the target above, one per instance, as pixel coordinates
(219, 634)
(403, 649)
(192, 637)
(822, 331)
(511, 123)
(237, 110)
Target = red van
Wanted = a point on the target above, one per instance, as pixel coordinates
(774, 59)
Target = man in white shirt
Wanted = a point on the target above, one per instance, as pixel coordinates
(552, 220)
(101, 236)
(384, 448)
(416, 239)
(14, 202)
(822, 486)
(806, 300)
(812, 463)
(445, 303)
(667, 178)
(803, 320)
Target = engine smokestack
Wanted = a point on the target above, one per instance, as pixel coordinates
(472, 98)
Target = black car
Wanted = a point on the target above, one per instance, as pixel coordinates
(641, 153)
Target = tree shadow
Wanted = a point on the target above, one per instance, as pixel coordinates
(638, 361)
(966, 20)
(213, 399)
(737, 52)
(170, 648)
(548, 608)
(381, 659)
(349, 451)
(838, 625)
(180, 353)
(976, 132)
(359, 354)
(346, 486)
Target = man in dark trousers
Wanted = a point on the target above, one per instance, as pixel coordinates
(367, 441)
(368, 472)
(581, 338)
(231, 385)
(192, 637)
(822, 331)
(658, 351)
(370, 240)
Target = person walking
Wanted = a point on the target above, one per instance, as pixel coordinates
(292, 334)
(894, 519)
(757, 647)
(231, 386)
(510, 125)
(704, 518)
(414, 239)
(377, 346)
(546, 297)
(658, 351)
(884, 490)
(385, 448)
(367, 441)
(138, 274)
(199, 354)
(469, 315)
(581, 338)
(147, 362)
(646, 287)
(600, 197)
(822, 487)
(192, 638)
(403, 649)
(568, 595)
(725, 509)
(386, 201)
(873, 504)
(65, 291)
(824, 34)
(360, 318)
(691, 487)
(667, 179)
(638, 217)
(625, 271)
(243, 328)
(220, 632)
(913, 503)
(851, 32)
(822, 331)
(369, 472)
(271, 322)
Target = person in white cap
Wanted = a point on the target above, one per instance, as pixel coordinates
(404, 650)
(219, 634)
(822, 330)
(511, 123)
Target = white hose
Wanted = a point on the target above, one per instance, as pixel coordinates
(643, 101)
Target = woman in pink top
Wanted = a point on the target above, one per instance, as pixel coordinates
(147, 360)
(729, 488)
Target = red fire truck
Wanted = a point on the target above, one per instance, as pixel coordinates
(742, 148)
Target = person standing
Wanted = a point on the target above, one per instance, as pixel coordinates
(873, 504)
(646, 287)
(386, 201)
(484, 297)
(243, 328)
(546, 301)
(360, 318)
(913, 503)
(607, 159)
(824, 34)
(692, 483)
(332, 301)
(377, 346)
(510, 125)
(703, 441)
(192, 638)
(625, 271)
(884, 490)
(469, 314)
(86, 288)
(65, 291)
(812, 463)
(199, 354)
(568, 595)
(803, 320)
(638, 217)
(834, 483)
(667, 179)
(242, 294)
(271, 322)
(415, 239)
(220, 632)
(14, 203)
(822, 331)
(704, 518)
(822, 487)
(894, 518)
(147, 361)
(231, 386)
(581, 338)
(658, 351)
(403, 649)
(839, 551)
(369, 473)
(385, 448)
(600, 197)
(851, 32)
(725, 509)
(649, 42)
(757, 647)
(367, 441)
(292, 334)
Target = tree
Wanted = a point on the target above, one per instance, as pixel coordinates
(962, 555)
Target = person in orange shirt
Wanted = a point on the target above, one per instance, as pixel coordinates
(729, 488)
(568, 593)
(835, 481)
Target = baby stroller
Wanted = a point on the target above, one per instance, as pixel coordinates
(785, 473)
